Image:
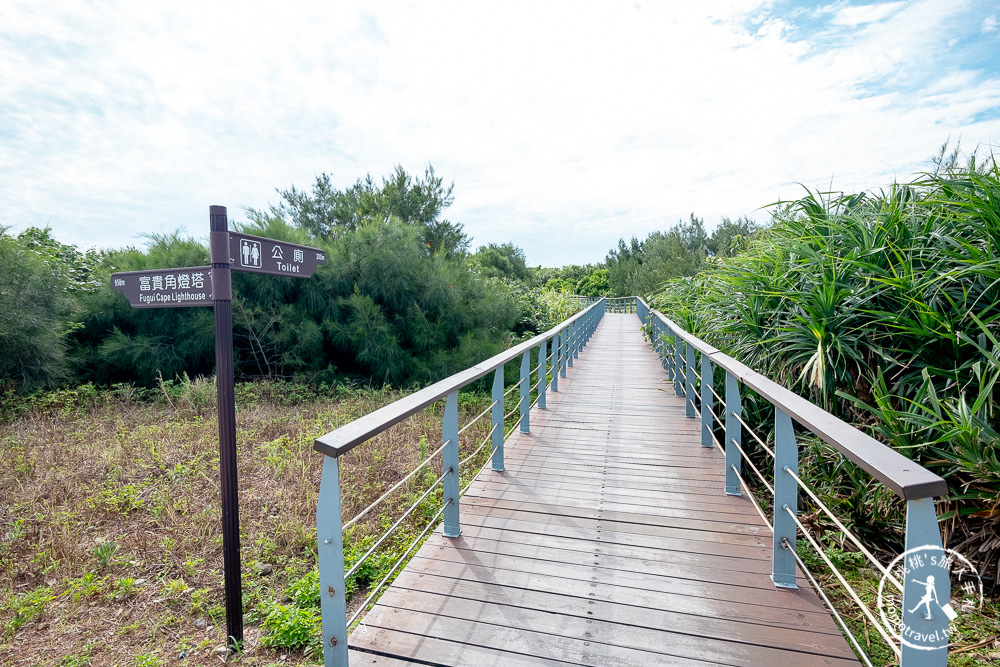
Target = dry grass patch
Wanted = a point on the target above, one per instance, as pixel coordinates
(110, 529)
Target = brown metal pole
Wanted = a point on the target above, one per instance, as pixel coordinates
(222, 298)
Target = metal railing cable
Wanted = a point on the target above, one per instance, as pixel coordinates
(843, 582)
(507, 434)
(718, 445)
(829, 605)
(755, 436)
(819, 503)
(481, 469)
(431, 524)
(512, 388)
(394, 526)
(802, 566)
(753, 498)
(717, 397)
(716, 418)
(478, 417)
(396, 486)
(746, 458)
(485, 442)
(517, 408)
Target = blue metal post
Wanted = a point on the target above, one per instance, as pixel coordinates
(330, 542)
(577, 339)
(923, 548)
(543, 374)
(555, 362)
(570, 343)
(562, 352)
(497, 419)
(734, 432)
(689, 378)
(449, 464)
(661, 340)
(525, 390)
(678, 365)
(786, 494)
(707, 400)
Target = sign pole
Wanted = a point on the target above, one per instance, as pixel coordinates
(212, 286)
(222, 302)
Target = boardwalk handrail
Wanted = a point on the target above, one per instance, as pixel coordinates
(904, 477)
(342, 440)
(567, 339)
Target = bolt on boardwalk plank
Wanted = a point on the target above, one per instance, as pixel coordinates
(607, 540)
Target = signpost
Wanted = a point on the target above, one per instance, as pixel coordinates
(212, 286)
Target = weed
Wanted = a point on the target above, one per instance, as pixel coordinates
(85, 587)
(305, 590)
(104, 553)
(16, 530)
(291, 627)
(147, 660)
(204, 602)
(27, 607)
(122, 589)
(192, 566)
(118, 499)
(173, 591)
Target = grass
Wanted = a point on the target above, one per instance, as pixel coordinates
(110, 548)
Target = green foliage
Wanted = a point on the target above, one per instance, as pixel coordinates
(26, 607)
(885, 309)
(329, 213)
(291, 627)
(36, 305)
(501, 261)
(304, 591)
(396, 302)
(596, 284)
(117, 342)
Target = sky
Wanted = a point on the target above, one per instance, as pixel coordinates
(563, 125)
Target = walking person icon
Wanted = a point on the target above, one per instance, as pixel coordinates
(929, 594)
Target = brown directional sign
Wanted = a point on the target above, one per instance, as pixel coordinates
(166, 288)
(261, 255)
(193, 286)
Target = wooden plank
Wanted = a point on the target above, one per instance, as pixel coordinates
(558, 524)
(607, 539)
(682, 596)
(702, 542)
(519, 556)
(695, 643)
(512, 638)
(691, 519)
(357, 658)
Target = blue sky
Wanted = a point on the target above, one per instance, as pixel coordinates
(564, 125)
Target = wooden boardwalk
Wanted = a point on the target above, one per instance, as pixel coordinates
(608, 540)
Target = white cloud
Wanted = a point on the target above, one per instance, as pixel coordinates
(856, 15)
(564, 125)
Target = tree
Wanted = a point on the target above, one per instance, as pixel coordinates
(731, 237)
(596, 284)
(330, 213)
(35, 302)
(504, 260)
